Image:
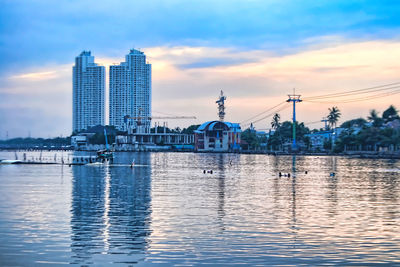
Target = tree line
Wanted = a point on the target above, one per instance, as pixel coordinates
(371, 133)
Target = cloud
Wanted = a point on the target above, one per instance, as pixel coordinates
(36, 75)
(266, 79)
(253, 80)
(42, 31)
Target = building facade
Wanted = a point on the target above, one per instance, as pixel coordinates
(218, 136)
(88, 92)
(130, 92)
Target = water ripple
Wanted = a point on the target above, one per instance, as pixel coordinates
(166, 211)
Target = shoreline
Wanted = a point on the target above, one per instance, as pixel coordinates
(355, 154)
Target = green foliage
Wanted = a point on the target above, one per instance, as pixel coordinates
(99, 129)
(360, 122)
(368, 137)
(284, 134)
(190, 129)
(58, 141)
(333, 116)
(375, 119)
(390, 114)
(99, 139)
(328, 144)
(250, 136)
(275, 123)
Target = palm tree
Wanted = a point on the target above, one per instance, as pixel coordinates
(374, 118)
(275, 123)
(373, 115)
(390, 114)
(333, 116)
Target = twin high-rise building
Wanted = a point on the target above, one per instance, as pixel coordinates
(130, 92)
(88, 92)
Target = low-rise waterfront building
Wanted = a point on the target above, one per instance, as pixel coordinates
(218, 136)
(395, 124)
(154, 141)
(318, 139)
(79, 141)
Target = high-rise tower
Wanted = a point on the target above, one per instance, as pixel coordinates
(130, 91)
(88, 92)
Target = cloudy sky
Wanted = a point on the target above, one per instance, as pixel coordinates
(255, 51)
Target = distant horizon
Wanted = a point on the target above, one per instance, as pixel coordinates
(311, 128)
(256, 52)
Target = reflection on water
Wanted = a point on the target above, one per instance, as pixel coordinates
(111, 211)
(221, 189)
(167, 211)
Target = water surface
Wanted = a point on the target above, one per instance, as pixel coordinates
(166, 211)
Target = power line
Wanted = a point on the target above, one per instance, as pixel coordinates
(265, 111)
(353, 94)
(359, 99)
(271, 114)
(312, 122)
(359, 91)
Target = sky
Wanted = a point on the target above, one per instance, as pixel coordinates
(255, 51)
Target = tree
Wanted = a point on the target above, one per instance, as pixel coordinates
(275, 123)
(390, 114)
(284, 134)
(373, 115)
(190, 129)
(251, 138)
(375, 119)
(360, 122)
(333, 116)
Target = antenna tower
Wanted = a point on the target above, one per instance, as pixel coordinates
(221, 106)
(325, 120)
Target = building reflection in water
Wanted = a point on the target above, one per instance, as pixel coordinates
(221, 190)
(110, 212)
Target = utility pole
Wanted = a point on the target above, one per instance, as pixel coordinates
(294, 98)
(326, 123)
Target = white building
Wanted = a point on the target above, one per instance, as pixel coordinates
(88, 92)
(130, 92)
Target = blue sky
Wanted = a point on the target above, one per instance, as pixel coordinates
(44, 37)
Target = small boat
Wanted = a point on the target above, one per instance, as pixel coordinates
(105, 154)
(9, 161)
(102, 157)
